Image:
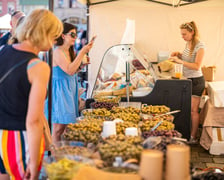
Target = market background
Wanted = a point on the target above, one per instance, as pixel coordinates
(156, 26)
(157, 29)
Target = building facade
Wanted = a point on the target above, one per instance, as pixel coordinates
(7, 6)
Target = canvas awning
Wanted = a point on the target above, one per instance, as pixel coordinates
(5, 21)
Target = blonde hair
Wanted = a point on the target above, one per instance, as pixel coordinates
(191, 26)
(39, 27)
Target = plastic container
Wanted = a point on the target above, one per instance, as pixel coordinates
(163, 55)
(143, 91)
(178, 70)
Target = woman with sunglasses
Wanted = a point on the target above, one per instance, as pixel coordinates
(64, 80)
(191, 58)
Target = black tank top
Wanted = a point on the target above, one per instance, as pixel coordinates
(14, 90)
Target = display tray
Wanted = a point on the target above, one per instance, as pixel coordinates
(143, 91)
(131, 104)
(111, 99)
(147, 117)
(101, 112)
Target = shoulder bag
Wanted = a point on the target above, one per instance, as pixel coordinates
(47, 134)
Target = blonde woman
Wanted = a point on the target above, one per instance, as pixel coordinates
(22, 96)
(192, 58)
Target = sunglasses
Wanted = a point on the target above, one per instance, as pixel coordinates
(72, 34)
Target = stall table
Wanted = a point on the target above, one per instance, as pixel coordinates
(211, 117)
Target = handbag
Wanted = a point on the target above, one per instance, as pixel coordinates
(47, 133)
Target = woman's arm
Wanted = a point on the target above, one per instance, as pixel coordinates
(178, 54)
(38, 76)
(195, 65)
(64, 63)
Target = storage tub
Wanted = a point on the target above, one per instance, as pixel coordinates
(217, 146)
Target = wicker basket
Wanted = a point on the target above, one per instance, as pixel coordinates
(100, 93)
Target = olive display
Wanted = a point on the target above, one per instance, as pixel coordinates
(165, 125)
(165, 141)
(164, 133)
(71, 150)
(121, 137)
(87, 131)
(135, 118)
(97, 119)
(167, 117)
(107, 105)
(63, 169)
(96, 112)
(126, 114)
(121, 126)
(124, 149)
(125, 109)
(157, 109)
(111, 99)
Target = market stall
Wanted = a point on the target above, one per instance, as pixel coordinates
(108, 143)
(156, 29)
(119, 143)
(146, 84)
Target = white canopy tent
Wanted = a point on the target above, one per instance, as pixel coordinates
(5, 21)
(156, 29)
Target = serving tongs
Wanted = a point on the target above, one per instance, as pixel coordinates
(160, 122)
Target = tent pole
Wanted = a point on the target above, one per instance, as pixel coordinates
(51, 8)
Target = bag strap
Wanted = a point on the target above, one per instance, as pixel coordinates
(12, 69)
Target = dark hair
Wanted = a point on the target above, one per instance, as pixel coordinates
(67, 27)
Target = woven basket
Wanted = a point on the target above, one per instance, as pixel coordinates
(122, 91)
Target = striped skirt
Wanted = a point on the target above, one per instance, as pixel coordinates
(14, 154)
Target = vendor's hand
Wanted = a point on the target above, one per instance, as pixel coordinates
(174, 54)
(176, 59)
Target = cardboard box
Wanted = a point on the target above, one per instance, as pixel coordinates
(216, 93)
(209, 73)
(217, 146)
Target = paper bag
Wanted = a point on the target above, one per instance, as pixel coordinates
(209, 72)
(129, 33)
